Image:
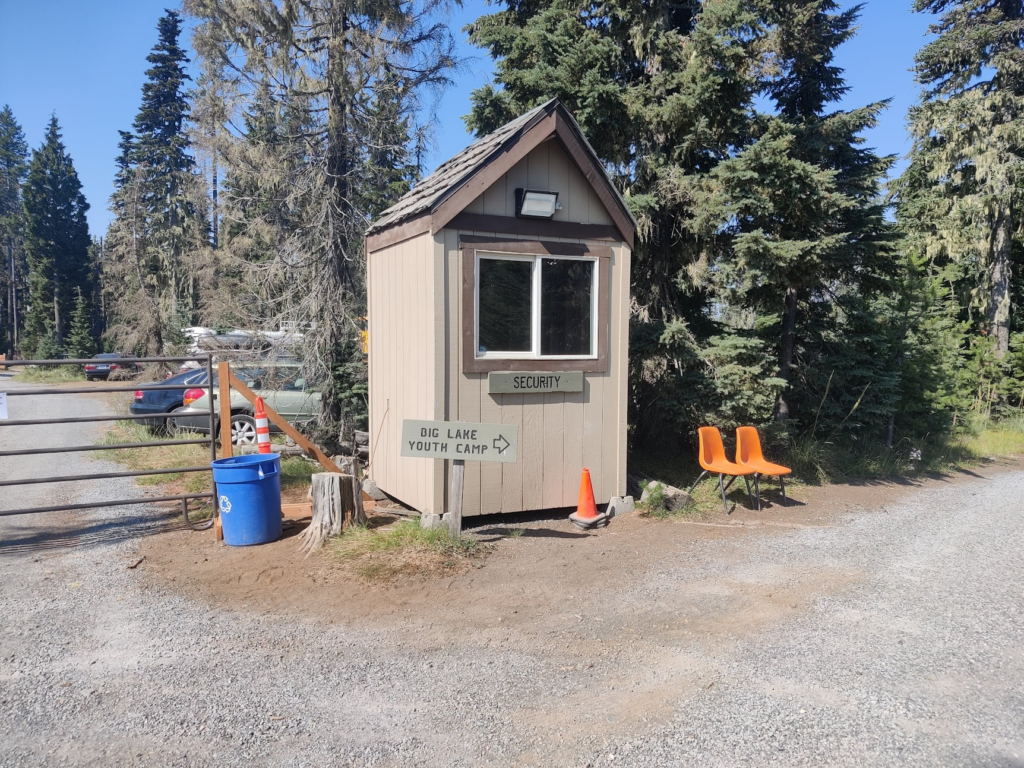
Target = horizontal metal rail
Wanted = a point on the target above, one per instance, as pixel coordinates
(185, 497)
(111, 447)
(86, 419)
(103, 476)
(94, 390)
(110, 360)
(119, 362)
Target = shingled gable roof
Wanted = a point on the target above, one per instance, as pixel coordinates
(442, 195)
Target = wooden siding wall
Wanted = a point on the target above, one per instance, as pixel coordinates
(406, 324)
(549, 169)
(559, 433)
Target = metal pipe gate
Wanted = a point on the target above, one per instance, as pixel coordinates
(184, 498)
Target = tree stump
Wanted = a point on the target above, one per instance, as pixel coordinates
(337, 505)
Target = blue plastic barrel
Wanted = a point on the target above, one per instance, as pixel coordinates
(249, 498)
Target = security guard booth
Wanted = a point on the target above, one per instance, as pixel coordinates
(498, 292)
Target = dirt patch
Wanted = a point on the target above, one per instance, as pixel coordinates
(526, 577)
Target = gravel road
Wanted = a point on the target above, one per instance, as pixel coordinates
(908, 650)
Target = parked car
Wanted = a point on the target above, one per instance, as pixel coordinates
(159, 403)
(280, 386)
(102, 370)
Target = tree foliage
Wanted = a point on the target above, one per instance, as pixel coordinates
(156, 250)
(970, 124)
(56, 242)
(331, 95)
(13, 172)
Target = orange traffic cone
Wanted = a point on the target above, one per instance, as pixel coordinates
(262, 426)
(586, 514)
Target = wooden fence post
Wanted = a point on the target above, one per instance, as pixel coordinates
(224, 385)
(455, 502)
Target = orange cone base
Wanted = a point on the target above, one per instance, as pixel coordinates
(587, 523)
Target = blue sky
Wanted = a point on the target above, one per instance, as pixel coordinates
(86, 62)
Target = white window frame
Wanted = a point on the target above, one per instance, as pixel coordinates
(535, 313)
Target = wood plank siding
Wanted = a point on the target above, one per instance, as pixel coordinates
(405, 323)
(416, 364)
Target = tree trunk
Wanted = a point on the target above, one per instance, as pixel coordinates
(999, 281)
(338, 161)
(337, 505)
(58, 324)
(786, 355)
(213, 198)
(12, 312)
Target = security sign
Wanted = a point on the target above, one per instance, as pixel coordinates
(460, 440)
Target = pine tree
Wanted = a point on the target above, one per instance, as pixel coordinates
(56, 239)
(319, 69)
(13, 171)
(80, 342)
(157, 243)
(931, 321)
(664, 92)
(797, 215)
(970, 120)
(390, 165)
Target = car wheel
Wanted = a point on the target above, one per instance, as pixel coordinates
(243, 429)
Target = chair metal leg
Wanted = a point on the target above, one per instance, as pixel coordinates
(721, 487)
(757, 489)
(750, 497)
(782, 482)
(702, 476)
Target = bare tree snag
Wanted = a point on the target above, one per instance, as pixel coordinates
(337, 505)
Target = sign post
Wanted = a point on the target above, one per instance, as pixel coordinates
(3, 405)
(459, 442)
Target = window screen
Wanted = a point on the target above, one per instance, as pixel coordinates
(566, 304)
(505, 305)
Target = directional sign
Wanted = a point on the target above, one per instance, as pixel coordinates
(460, 440)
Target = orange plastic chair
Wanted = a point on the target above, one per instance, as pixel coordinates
(748, 454)
(713, 461)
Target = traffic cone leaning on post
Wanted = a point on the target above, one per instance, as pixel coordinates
(586, 514)
(262, 426)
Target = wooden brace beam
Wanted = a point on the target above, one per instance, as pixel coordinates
(285, 427)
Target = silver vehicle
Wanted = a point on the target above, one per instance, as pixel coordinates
(279, 385)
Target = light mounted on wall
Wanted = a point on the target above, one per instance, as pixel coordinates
(534, 204)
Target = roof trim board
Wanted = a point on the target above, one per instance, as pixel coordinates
(444, 195)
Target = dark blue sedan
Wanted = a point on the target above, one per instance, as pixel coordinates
(164, 401)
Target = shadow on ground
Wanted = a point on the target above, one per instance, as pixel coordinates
(37, 534)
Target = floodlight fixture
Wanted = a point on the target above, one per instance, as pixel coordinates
(534, 204)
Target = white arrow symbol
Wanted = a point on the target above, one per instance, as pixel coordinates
(505, 447)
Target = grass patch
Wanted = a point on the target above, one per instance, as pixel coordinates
(295, 471)
(49, 374)
(405, 549)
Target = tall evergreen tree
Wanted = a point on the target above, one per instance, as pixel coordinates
(322, 66)
(13, 171)
(663, 90)
(56, 239)
(797, 215)
(971, 122)
(80, 342)
(157, 242)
